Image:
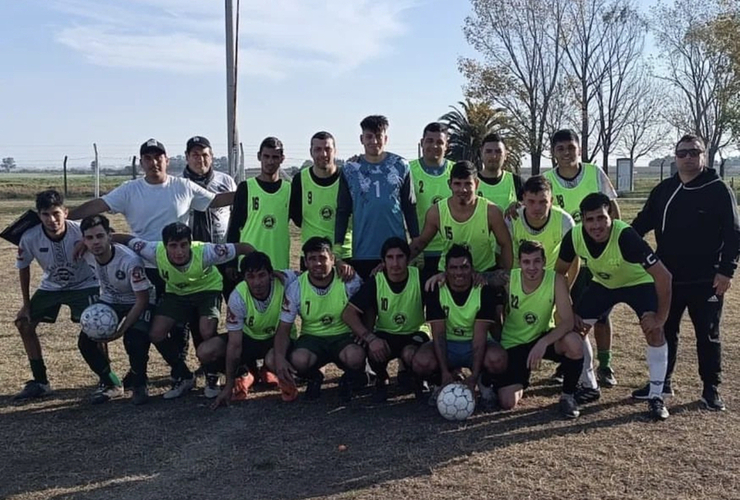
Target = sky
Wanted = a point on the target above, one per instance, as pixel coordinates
(115, 73)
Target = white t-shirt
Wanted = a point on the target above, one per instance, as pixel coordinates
(56, 258)
(148, 208)
(221, 183)
(213, 254)
(121, 277)
(292, 303)
(237, 312)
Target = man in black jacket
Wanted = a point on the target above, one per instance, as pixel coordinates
(694, 216)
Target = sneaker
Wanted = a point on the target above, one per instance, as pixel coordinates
(711, 399)
(345, 388)
(644, 392)
(557, 377)
(33, 390)
(568, 406)
(212, 389)
(605, 376)
(241, 387)
(585, 395)
(140, 395)
(106, 392)
(381, 392)
(313, 388)
(420, 389)
(657, 409)
(487, 400)
(180, 387)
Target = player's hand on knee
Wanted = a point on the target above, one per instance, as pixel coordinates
(284, 370)
(580, 326)
(650, 324)
(435, 281)
(536, 355)
(24, 315)
(378, 349)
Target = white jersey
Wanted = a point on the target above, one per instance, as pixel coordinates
(56, 258)
(219, 222)
(238, 312)
(121, 277)
(213, 254)
(292, 304)
(148, 208)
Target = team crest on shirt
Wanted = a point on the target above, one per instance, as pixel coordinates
(268, 221)
(230, 316)
(221, 250)
(399, 319)
(120, 275)
(446, 310)
(437, 199)
(270, 330)
(138, 246)
(327, 213)
(327, 319)
(458, 332)
(138, 275)
(604, 276)
(61, 274)
(530, 318)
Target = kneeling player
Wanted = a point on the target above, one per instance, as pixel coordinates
(392, 300)
(460, 315)
(529, 333)
(625, 269)
(125, 287)
(319, 297)
(193, 283)
(252, 320)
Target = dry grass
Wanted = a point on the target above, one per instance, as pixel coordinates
(64, 448)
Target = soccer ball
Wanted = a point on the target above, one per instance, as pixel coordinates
(99, 322)
(455, 402)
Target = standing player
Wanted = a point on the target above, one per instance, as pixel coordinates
(392, 301)
(694, 216)
(431, 174)
(125, 287)
(496, 184)
(260, 213)
(530, 334)
(625, 269)
(460, 315)
(193, 284)
(65, 281)
(467, 219)
(378, 193)
(252, 320)
(313, 195)
(319, 296)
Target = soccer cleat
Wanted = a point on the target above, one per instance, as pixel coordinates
(33, 390)
(405, 380)
(420, 389)
(345, 388)
(585, 395)
(381, 392)
(605, 376)
(267, 377)
(657, 409)
(711, 399)
(241, 387)
(644, 392)
(288, 391)
(488, 400)
(140, 395)
(557, 377)
(212, 389)
(180, 387)
(433, 394)
(568, 406)
(105, 392)
(313, 388)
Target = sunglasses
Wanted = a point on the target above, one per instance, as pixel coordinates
(693, 153)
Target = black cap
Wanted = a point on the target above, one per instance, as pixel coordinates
(152, 145)
(197, 141)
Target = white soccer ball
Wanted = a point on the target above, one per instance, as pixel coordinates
(455, 402)
(99, 322)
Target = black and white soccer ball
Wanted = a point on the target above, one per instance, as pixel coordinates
(456, 402)
(99, 322)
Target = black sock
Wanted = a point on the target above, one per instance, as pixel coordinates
(137, 347)
(38, 369)
(94, 357)
(571, 373)
(168, 348)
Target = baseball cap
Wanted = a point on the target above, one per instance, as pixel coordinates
(197, 141)
(150, 146)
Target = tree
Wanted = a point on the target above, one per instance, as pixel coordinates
(699, 68)
(519, 40)
(8, 164)
(646, 131)
(468, 126)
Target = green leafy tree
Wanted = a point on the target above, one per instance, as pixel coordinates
(8, 164)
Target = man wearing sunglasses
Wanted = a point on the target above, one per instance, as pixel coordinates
(694, 216)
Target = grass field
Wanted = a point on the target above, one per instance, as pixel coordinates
(64, 448)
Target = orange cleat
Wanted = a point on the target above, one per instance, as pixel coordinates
(241, 387)
(268, 377)
(288, 391)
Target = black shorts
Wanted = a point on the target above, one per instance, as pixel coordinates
(597, 300)
(583, 280)
(397, 342)
(517, 372)
(252, 349)
(364, 267)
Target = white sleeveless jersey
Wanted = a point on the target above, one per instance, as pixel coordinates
(56, 258)
(122, 277)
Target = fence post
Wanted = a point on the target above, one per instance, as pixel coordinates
(64, 169)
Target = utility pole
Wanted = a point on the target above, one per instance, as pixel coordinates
(232, 51)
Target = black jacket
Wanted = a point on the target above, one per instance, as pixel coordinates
(696, 227)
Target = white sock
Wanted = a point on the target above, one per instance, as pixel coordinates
(657, 358)
(588, 377)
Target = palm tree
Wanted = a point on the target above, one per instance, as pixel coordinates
(470, 123)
